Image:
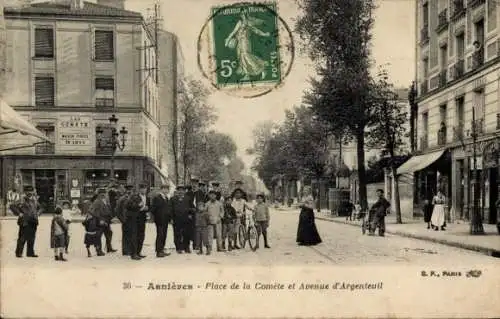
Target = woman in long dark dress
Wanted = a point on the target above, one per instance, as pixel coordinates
(307, 233)
(428, 212)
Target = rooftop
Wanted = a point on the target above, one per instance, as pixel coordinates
(89, 9)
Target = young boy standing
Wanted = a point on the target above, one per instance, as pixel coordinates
(262, 218)
(201, 224)
(215, 213)
(228, 223)
(58, 231)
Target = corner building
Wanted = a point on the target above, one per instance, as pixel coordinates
(458, 55)
(74, 64)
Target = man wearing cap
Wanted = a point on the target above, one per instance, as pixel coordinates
(101, 210)
(28, 223)
(183, 218)
(239, 185)
(161, 209)
(121, 213)
(138, 207)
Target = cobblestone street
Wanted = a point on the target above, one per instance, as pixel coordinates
(342, 245)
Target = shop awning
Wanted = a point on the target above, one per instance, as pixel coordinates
(417, 163)
(15, 131)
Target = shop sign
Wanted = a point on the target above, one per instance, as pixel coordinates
(75, 193)
(75, 131)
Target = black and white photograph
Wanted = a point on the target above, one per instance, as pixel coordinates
(237, 159)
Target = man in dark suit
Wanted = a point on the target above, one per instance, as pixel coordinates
(101, 209)
(137, 208)
(183, 217)
(28, 211)
(161, 209)
(121, 213)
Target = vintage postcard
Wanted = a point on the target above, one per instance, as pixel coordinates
(237, 159)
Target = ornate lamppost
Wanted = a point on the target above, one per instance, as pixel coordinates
(116, 142)
(476, 223)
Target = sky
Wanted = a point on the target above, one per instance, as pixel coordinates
(393, 46)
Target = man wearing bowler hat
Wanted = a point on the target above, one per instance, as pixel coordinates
(27, 211)
(161, 209)
(101, 210)
(121, 213)
(183, 218)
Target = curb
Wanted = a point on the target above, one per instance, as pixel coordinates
(487, 251)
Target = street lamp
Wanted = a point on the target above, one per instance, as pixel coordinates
(476, 223)
(117, 140)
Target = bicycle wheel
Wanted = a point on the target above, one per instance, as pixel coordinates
(253, 238)
(242, 236)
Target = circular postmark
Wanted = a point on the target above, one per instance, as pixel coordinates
(245, 49)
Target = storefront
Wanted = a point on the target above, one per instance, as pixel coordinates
(72, 178)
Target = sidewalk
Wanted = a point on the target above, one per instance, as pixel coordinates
(456, 235)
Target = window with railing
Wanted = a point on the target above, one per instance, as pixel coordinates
(104, 139)
(478, 126)
(442, 135)
(104, 92)
(458, 9)
(442, 20)
(424, 34)
(423, 143)
(44, 91)
(424, 87)
(44, 42)
(458, 132)
(459, 69)
(442, 77)
(46, 148)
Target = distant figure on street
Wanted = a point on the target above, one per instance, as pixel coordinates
(28, 212)
(240, 205)
(307, 232)
(92, 235)
(262, 219)
(228, 222)
(427, 208)
(13, 197)
(67, 215)
(438, 214)
(138, 207)
(101, 210)
(215, 211)
(377, 214)
(58, 233)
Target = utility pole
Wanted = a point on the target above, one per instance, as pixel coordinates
(152, 24)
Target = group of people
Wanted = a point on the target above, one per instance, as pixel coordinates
(435, 213)
(198, 217)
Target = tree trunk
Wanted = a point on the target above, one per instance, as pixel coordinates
(360, 149)
(397, 203)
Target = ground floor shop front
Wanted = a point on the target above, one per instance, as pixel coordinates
(72, 178)
(451, 171)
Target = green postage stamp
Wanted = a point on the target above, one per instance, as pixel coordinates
(246, 45)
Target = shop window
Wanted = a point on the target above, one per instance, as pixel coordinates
(44, 43)
(44, 91)
(104, 45)
(104, 92)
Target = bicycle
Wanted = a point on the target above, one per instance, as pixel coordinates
(250, 234)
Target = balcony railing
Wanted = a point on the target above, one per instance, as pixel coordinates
(45, 149)
(441, 136)
(442, 78)
(458, 133)
(458, 69)
(478, 58)
(424, 87)
(424, 34)
(478, 126)
(423, 143)
(442, 20)
(458, 10)
(475, 3)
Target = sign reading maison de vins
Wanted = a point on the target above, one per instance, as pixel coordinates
(75, 131)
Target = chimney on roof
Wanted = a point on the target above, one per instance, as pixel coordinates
(119, 4)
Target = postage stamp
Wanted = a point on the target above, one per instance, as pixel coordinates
(248, 48)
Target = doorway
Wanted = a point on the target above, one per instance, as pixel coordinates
(45, 181)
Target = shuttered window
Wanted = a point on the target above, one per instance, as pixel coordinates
(104, 92)
(44, 43)
(44, 91)
(104, 45)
